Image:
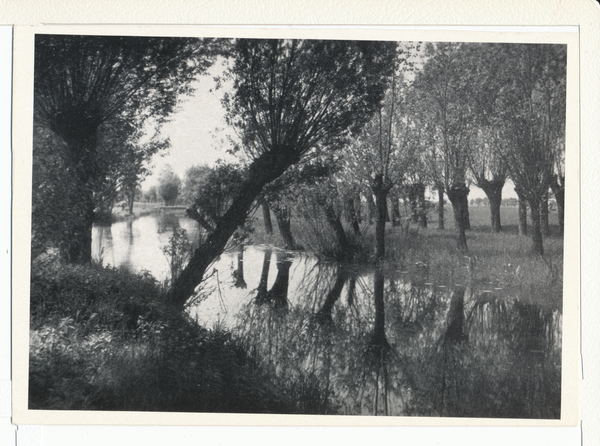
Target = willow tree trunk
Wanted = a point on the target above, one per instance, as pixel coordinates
(336, 225)
(79, 230)
(462, 218)
(536, 228)
(522, 213)
(282, 214)
(545, 216)
(353, 216)
(465, 209)
(440, 191)
(381, 205)
(263, 170)
(358, 207)
(493, 190)
(266, 211)
(79, 241)
(371, 208)
(558, 189)
(418, 205)
(457, 194)
(396, 217)
(131, 200)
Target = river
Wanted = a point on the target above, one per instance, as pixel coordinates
(423, 349)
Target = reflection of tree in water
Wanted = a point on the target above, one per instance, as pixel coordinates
(381, 365)
(494, 358)
(324, 314)
(452, 345)
(238, 274)
(105, 238)
(130, 239)
(261, 291)
(167, 221)
(278, 294)
(369, 345)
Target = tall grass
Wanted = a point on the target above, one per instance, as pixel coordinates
(501, 260)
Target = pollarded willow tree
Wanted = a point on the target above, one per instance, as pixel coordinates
(290, 97)
(444, 94)
(86, 84)
(381, 156)
(534, 123)
(487, 82)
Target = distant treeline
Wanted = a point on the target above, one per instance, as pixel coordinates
(507, 202)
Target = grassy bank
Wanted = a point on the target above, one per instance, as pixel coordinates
(100, 339)
(492, 261)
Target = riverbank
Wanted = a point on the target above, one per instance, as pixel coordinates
(101, 339)
(143, 209)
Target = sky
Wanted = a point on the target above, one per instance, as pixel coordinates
(195, 131)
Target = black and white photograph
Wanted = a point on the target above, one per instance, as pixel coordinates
(300, 226)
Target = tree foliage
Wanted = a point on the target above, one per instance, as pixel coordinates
(169, 186)
(382, 154)
(444, 92)
(84, 85)
(534, 107)
(194, 179)
(215, 193)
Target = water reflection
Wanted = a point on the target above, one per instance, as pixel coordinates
(137, 243)
(422, 350)
(238, 274)
(365, 342)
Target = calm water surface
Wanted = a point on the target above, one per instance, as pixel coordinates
(422, 349)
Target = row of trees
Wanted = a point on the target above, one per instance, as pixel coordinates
(476, 113)
(370, 119)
